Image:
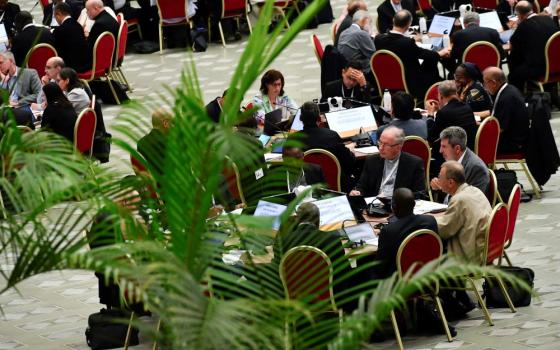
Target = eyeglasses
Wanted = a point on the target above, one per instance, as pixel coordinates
(48, 67)
(383, 144)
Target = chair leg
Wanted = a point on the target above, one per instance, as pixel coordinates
(160, 39)
(249, 23)
(140, 32)
(123, 79)
(221, 33)
(443, 319)
(128, 331)
(157, 331)
(507, 258)
(396, 328)
(506, 295)
(531, 179)
(113, 90)
(481, 302)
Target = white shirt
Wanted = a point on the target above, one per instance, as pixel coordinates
(389, 176)
(498, 97)
(396, 7)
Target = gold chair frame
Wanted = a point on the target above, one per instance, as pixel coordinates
(427, 170)
(482, 43)
(82, 114)
(325, 152)
(477, 138)
(403, 75)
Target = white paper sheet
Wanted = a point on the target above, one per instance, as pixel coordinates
(334, 210)
(491, 20)
(265, 208)
(352, 119)
(272, 156)
(367, 150)
(441, 25)
(423, 207)
(361, 232)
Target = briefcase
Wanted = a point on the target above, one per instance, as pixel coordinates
(106, 331)
(519, 297)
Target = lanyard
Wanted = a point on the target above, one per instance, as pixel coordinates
(343, 94)
(302, 174)
(390, 175)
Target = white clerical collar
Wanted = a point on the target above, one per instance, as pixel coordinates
(27, 25)
(395, 32)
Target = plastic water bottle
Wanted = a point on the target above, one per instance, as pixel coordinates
(426, 39)
(387, 101)
(446, 41)
(422, 25)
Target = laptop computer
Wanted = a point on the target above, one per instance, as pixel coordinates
(271, 121)
(351, 122)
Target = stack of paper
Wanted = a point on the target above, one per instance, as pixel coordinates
(423, 207)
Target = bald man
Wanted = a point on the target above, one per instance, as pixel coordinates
(153, 145)
(27, 35)
(103, 22)
(510, 110)
(526, 58)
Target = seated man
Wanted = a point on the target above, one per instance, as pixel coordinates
(24, 87)
(472, 33)
(103, 22)
(463, 225)
(450, 111)
(49, 19)
(402, 110)
(419, 77)
(28, 35)
(52, 69)
(453, 146)
(386, 11)
(353, 85)
(391, 168)
(153, 145)
(393, 234)
(70, 42)
(353, 6)
(299, 173)
(8, 11)
(356, 43)
(214, 108)
(312, 136)
(509, 109)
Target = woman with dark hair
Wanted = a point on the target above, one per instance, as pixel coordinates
(74, 89)
(470, 89)
(272, 96)
(59, 115)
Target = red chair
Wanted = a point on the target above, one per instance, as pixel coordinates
(432, 93)
(317, 47)
(84, 131)
(492, 192)
(103, 52)
(487, 4)
(328, 163)
(171, 13)
(418, 249)
(132, 22)
(486, 142)
(483, 54)
(513, 209)
(231, 9)
(138, 165)
(519, 158)
(281, 6)
(425, 5)
(543, 4)
(38, 56)
(44, 3)
(419, 147)
(552, 59)
(388, 71)
(122, 39)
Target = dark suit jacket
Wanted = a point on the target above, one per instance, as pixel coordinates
(213, 109)
(391, 237)
(10, 12)
(104, 22)
(76, 6)
(71, 45)
(511, 112)
(60, 120)
(410, 174)
(385, 14)
(447, 5)
(455, 113)
(346, 22)
(528, 43)
(409, 53)
(323, 138)
(334, 89)
(27, 38)
(152, 147)
(463, 38)
(476, 172)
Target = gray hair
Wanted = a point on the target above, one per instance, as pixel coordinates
(471, 18)
(454, 171)
(57, 61)
(447, 88)
(359, 15)
(455, 135)
(8, 55)
(397, 132)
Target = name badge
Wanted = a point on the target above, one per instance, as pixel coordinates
(259, 173)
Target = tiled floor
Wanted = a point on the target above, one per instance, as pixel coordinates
(51, 311)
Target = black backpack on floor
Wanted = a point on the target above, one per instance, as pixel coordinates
(107, 331)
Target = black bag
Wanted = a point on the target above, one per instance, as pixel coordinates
(102, 90)
(102, 146)
(198, 39)
(506, 180)
(519, 297)
(104, 331)
(146, 46)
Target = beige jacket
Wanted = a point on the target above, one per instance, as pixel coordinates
(464, 223)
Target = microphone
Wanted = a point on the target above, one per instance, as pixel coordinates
(286, 106)
(356, 101)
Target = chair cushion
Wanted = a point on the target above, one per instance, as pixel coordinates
(512, 156)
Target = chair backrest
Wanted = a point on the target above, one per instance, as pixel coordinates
(121, 43)
(44, 3)
(425, 4)
(418, 249)
(513, 210)
(282, 4)
(328, 163)
(234, 8)
(487, 4)
(317, 47)
(103, 51)
(388, 71)
(543, 3)
(496, 234)
(307, 274)
(92, 102)
(419, 147)
(432, 93)
(552, 57)
(492, 191)
(137, 165)
(486, 142)
(38, 56)
(120, 18)
(232, 178)
(483, 54)
(84, 131)
(169, 9)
